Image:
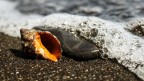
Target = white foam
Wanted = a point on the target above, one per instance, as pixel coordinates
(121, 44)
(11, 20)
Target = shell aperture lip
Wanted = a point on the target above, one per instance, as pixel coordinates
(41, 44)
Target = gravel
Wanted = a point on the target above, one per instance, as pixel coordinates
(15, 66)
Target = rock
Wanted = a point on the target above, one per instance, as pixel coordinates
(74, 46)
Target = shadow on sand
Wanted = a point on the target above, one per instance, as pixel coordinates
(21, 54)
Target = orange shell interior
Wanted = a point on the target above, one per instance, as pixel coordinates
(47, 46)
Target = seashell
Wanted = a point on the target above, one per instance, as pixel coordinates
(41, 44)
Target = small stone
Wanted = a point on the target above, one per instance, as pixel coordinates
(66, 77)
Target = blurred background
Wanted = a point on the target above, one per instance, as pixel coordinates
(116, 10)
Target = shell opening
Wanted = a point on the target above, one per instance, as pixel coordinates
(47, 46)
(50, 43)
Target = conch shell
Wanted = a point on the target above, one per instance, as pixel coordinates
(41, 44)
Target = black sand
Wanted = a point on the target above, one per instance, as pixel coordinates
(17, 67)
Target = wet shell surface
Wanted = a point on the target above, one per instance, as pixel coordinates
(41, 44)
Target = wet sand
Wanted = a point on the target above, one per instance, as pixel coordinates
(15, 66)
